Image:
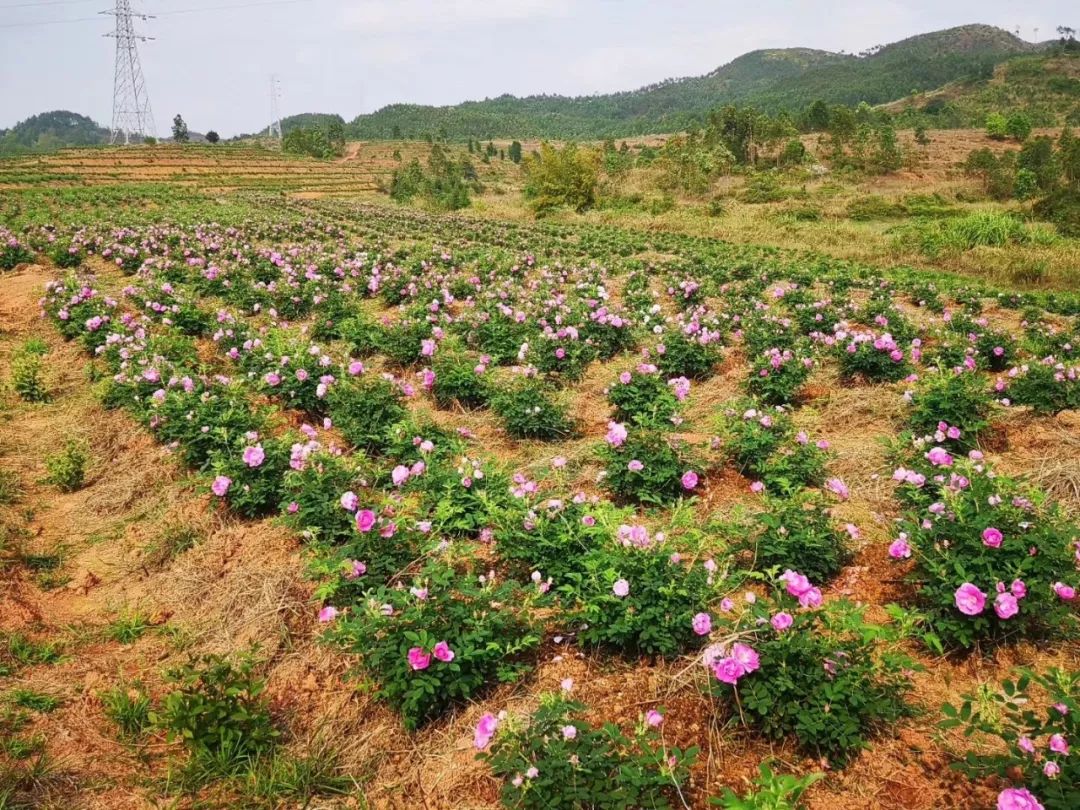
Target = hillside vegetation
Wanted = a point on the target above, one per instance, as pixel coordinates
(1046, 87)
(52, 130)
(774, 80)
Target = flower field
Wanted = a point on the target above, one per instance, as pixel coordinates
(527, 515)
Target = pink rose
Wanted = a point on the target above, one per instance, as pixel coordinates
(365, 520)
(443, 652)
(702, 624)
(728, 670)
(485, 730)
(992, 537)
(1018, 799)
(781, 622)
(418, 659)
(1005, 605)
(221, 485)
(689, 479)
(328, 614)
(254, 456)
(970, 600)
(621, 588)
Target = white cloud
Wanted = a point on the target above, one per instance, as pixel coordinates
(401, 16)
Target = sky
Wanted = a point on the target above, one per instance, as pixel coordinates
(211, 60)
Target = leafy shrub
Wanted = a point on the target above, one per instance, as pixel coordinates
(821, 675)
(955, 405)
(459, 380)
(686, 356)
(12, 251)
(1048, 386)
(646, 467)
(992, 559)
(874, 358)
(463, 496)
(641, 397)
(557, 760)
(997, 126)
(66, 470)
(439, 644)
(777, 375)
(551, 536)
(995, 350)
(528, 412)
(771, 791)
(364, 409)
(564, 177)
(361, 334)
(1018, 126)
(26, 377)
(1041, 755)
(249, 475)
(763, 444)
(218, 709)
(638, 598)
(795, 531)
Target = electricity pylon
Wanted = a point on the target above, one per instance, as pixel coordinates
(132, 116)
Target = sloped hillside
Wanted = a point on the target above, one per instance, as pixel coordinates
(779, 79)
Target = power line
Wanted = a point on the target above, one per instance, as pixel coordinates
(159, 14)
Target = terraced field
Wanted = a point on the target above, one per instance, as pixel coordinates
(490, 513)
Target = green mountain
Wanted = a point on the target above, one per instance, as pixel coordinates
(52, 130)
(781, 79)
(1046, 86)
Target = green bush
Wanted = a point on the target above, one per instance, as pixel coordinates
(823, 676)
(992, 560)
(687, 356)
(66, 470)
(558, 761)
(218, 712)
(763, 444)
(26, 379)
(771, 791)
(1010, 718)
(638, 599)
(796, 531)
(528, 411)
(458, 380)
(956, 405)
(1047, 386)
(365, 408)
(252, 489)
(997, 126)
(556, 178)
(641, 397)
(437, 650)
(646, 468)
(777, 375)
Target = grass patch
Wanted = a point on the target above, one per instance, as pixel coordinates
(128, 708)
(128, 628)
(34, 701)
(18, 651)
(934, 238)
(10, 488)
(170, 544)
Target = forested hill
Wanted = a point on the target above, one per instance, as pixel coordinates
(52, 130)
(774, 80)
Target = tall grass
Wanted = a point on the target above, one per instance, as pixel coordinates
(980, 229)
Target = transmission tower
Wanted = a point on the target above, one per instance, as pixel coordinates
(275, 112)
(132, 117)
